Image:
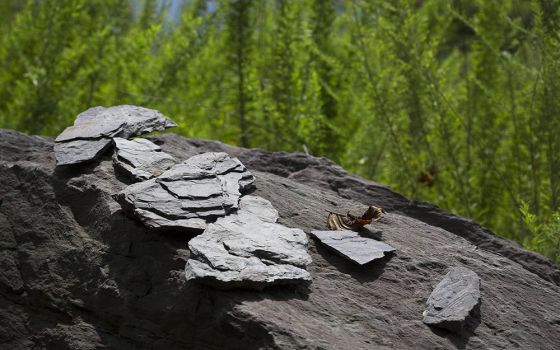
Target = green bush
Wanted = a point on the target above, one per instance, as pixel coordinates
(545, 237)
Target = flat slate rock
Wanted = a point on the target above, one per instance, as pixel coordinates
(189, 194)
(352, 246)
(94, 128)
(79, 151)
(249, 250)
(453, 299)
(140, 159)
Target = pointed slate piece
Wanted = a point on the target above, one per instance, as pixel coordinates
(140, 159)
(352, 246)
(188, 194)
(94, 128)
(453, 299)
(243, 251)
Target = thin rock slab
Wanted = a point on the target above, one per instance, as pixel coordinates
(94, 128)
(249, 250)
(453, 300)
(79, 151)
(140, 159)
(352, 246)
(190, 194)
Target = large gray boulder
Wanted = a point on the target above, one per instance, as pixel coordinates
(453, 299)
(77, 273)
(94, 128)
(189, 194)
(249, 250)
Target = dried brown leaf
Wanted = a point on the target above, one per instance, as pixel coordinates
(341, 222)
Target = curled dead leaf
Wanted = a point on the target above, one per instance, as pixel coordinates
(341, 222)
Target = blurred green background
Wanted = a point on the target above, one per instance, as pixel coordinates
(452, 102)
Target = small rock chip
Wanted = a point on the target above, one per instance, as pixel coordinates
(93, 129)
(189, 194)
(249, 250)
(140, 159)
(352, 246)
(453, 299)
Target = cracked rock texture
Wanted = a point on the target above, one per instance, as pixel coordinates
(249, 250)
(190, 194)
(77, 273)
(94, 128)
(140, 159)
(453, 299)
(353, 246)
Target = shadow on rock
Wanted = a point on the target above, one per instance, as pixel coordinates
(363, 273)
(368, 233)
(66, 172)
(460, 337)
(136, 292)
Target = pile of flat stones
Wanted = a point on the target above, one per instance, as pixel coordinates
(189, 194)
(249, 249)
(94, 130)
(238, 242)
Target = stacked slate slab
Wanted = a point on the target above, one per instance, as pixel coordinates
(140, 159)
(249, 250)
(189, 194)
(453, 300)
(244, 247)
(352, 246)
(94, 129)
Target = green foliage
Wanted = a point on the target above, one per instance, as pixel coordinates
(453, 102)
(545, 237)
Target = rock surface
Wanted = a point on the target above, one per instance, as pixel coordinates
(453, 299)
(77, 273)
(249, 250)
(351, 245)
(140, 159)
(93, 129)
(189, 194)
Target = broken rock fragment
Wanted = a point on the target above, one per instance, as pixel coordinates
(453, 299)
(94, 128)
(140, 159)
(352, 246)
(78, 151)
(189, 194)
(249, 250)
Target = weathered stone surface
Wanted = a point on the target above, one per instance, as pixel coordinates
(140, 159)
(78, 151)
(93, 129)
(249, 250)
(352, 246)
(76, 273)
(189, 194)
(453, 299)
